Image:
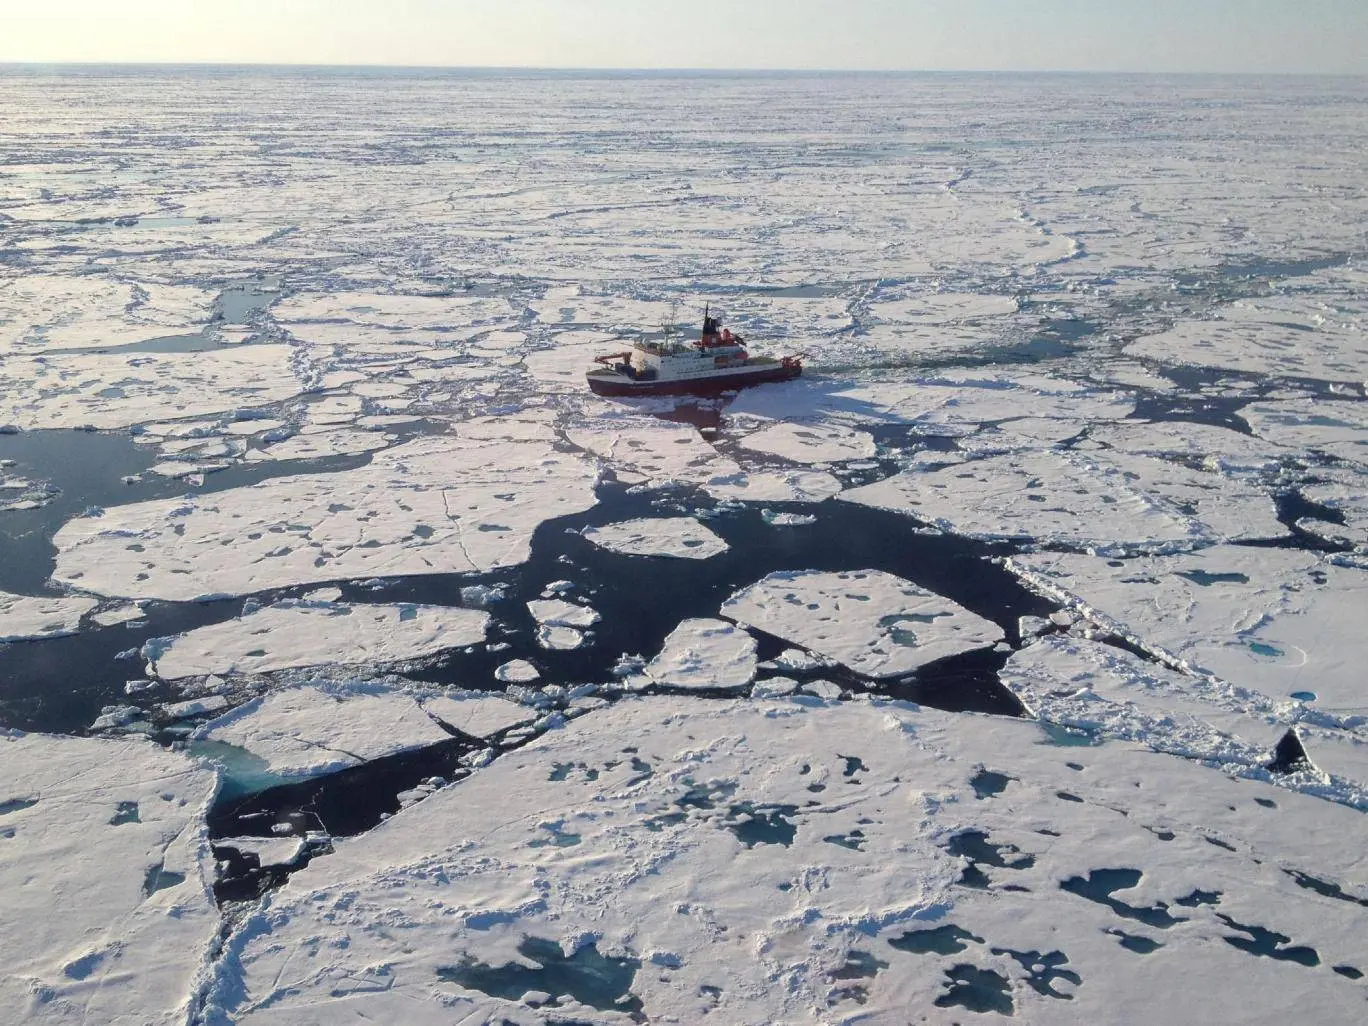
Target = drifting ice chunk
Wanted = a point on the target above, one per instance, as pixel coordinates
(812, 443)
(1111, 693)
(1336, 427)
(705, 654)
(295, 634)
(682, 537)
(107, 916)
(517, 671)
(434, 505)
(733, 841)
(269, 851)
(1120, 503)
(478, 714)
(30, 618)
(117, 390)
(306, 731)
(1263, 340)
(1274, 620)
(562, 613)
(939, 406)
(876, 624)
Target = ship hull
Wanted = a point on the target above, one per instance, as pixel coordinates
(614, 384)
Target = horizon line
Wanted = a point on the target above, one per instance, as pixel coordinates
(604, 69)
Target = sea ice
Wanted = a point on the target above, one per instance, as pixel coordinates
(307, 731)
(811, 443)
(1275, 621)
(438, 504)
(1111, 502)
(117, 390)
(662, 858)
(872, 622)
(290, 634)
(681, 537)
(1257, 337)
(41, 312)
(478, 714)
(30, 617)
(105, 865)
(704, 653)
(1337, 427)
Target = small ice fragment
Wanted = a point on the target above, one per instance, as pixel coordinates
(774, 687)
(517, 671)
(194, 707)
(823, 689)
(481, 595)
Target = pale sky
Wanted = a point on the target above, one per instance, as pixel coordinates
(1072, 35)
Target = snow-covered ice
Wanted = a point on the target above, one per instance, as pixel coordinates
(1112, 502)
(290, 634)
(872, 622)
(435, 505)
(658, 859)
(1276, 621)
(30, 617)
(305, 731)
(702, 653)
(477, 714)
(681, 537)
(105, 864)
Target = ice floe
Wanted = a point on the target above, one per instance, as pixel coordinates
(305, 731)
(40, 312)
(119, 390)
(478, 714)
(108, 916)
(1336, 427)
(658, 859)
(1264, 337)
(703, 653)
(1107, 503)
(438, 504)
(811, 443)
(1276, 621)
(32, 617)
(872, 622)
(681, 537)
(290, 634)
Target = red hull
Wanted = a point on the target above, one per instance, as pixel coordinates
(621, 385)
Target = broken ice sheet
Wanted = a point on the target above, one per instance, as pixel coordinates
(1264, 336)
(310, 730)
(33, 617)
(49, 311)
(560, 623)
(1106, 502)
(105, 867)
(872, 622)
(1337, 427)
(658, 454)
(704, 848)
(438, 504)
(290, 634)
(949, 405)
(703, 653)
(1112, 693)
(811, 442)
(1277, 621)
(680, 537)
(117, 390)
(478, 714)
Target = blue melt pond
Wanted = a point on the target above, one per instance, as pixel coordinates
(1259, 648)
(1304, 696)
